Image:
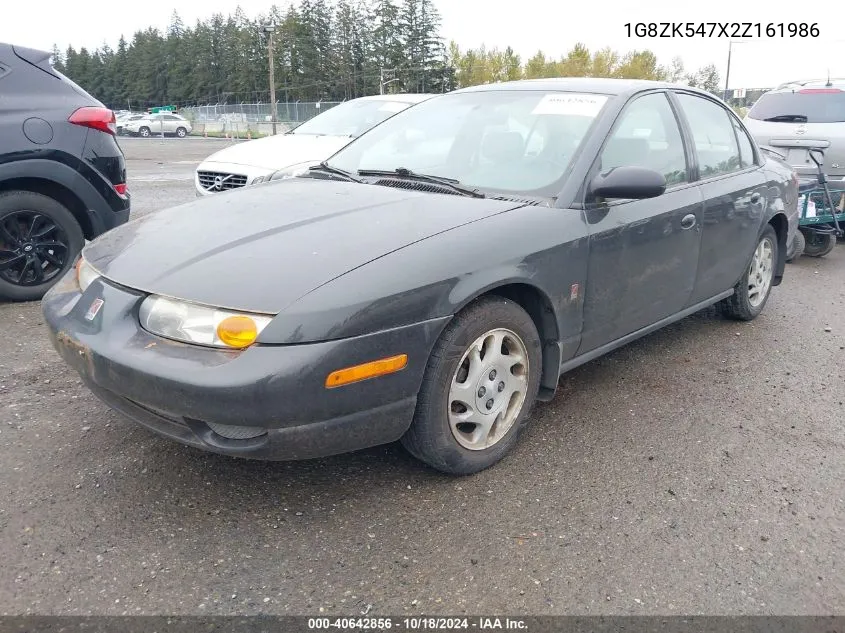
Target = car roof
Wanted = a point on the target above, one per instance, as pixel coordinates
(597, 85)
(405, 97)
(789, 86)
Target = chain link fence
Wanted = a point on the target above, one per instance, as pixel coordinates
(242, 120)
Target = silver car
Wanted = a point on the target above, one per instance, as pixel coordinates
(799, 115)
(162, 123)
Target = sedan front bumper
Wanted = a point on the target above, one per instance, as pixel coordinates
(265, 402)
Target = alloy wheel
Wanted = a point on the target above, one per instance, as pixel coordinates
(33, 248)
(761, 272)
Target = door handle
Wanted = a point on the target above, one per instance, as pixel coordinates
(688, 222)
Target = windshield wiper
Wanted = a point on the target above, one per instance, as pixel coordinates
(787, 118)
(451, 183)
(325, 167)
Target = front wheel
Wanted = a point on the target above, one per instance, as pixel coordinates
(479, 387)
(144, 131)
(39, 242)
(752, 291)
(181, 132)
(818, 244)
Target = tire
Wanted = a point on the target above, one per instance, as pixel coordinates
(181, 132)
(752, 291)
(17, 209)
(818, 244)
(431, 436)
(144, 131)
(798, 245)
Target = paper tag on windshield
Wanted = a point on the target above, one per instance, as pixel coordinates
(393, 106)
(569, 103)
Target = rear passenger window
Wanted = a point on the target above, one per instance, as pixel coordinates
(746, 151)
(713, 133)
(647, 135)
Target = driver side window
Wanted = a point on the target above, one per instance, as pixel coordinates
(647, 135)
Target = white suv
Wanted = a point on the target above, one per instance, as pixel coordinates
(165, 123)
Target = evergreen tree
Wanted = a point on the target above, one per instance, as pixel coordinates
(325, 49)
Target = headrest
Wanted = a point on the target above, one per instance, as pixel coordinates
(503, 146)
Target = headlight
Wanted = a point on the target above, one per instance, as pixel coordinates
(290, 172)
(85, 274)
(201, 325)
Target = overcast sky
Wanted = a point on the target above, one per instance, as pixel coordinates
(526, 25)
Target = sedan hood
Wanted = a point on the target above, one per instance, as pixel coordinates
(282, 150)
(263, 247)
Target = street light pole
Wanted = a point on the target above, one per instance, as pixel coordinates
(269, 28)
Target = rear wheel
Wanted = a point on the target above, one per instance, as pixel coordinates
(39, 241)
(480, 384)
(144, 131)
(818, 244)
(752, 291)
(798, 244)
(181, 132)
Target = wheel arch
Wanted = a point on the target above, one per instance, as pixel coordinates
(780, 223)
(56, 191)
(540, 308)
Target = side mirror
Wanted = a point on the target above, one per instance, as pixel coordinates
(629, 183)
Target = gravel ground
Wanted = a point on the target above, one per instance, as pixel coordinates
(697, 471)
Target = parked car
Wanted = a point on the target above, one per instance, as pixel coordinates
(121, 121)
(799, 115)
(288, 154)
(429, 296)
(162, 123)
(793, 118)
(62, 174)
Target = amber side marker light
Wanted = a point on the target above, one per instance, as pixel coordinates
(372, 369)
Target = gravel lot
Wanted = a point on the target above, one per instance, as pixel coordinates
(698, 471)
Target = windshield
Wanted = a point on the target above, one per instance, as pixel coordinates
(351, 118)
(803, 106)
(515, 141)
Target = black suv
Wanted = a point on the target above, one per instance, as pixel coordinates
(62, 173)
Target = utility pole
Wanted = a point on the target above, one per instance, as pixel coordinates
(728, 71)
(269, 28)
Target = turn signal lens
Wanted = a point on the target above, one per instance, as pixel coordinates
(367, 370)
(237, 331)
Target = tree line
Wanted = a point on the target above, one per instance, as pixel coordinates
(325, 50)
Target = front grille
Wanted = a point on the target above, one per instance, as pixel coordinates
(214, 181)
(164, 415)
(237, 432)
